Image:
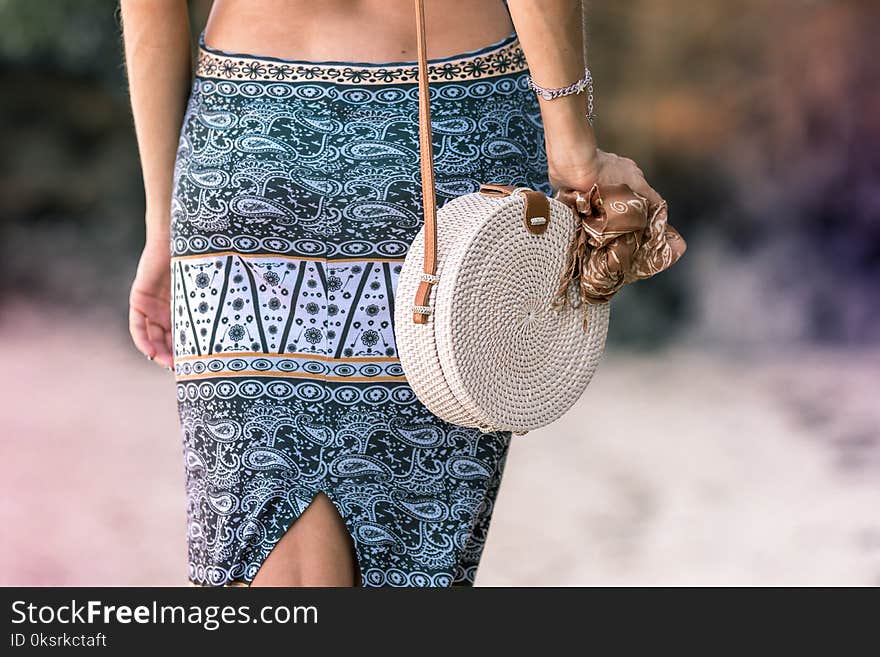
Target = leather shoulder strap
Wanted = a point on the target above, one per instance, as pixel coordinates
(426, 160)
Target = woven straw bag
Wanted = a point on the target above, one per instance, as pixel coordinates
(480, 344)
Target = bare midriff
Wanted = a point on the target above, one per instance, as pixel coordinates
(353, 30)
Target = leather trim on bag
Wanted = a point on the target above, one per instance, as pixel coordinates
(537, 207)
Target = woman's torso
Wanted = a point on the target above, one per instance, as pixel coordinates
(353, 30)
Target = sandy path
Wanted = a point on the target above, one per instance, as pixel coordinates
(678, 468)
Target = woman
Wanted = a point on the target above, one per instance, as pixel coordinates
(282, 191)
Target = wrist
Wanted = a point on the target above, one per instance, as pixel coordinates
(158, 219)
(571, 154)
(157, 238)
(565, 122)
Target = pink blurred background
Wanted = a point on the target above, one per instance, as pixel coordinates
(731, 435)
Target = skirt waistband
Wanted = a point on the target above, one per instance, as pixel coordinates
(500, 58)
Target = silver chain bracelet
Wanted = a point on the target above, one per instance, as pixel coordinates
(585, 82)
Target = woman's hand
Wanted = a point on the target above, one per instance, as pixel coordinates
(574, 161)
(149, 316)
(577, 173)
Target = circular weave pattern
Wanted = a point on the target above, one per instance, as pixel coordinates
(494, 354)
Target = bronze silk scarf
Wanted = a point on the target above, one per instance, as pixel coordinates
(620, 237)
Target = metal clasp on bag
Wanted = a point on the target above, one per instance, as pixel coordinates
(428, 278)
(537, 206)
(535, 220)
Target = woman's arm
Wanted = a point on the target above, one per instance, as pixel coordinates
(551, 35)
(158, 61)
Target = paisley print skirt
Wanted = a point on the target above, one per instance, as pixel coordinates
(296, 197)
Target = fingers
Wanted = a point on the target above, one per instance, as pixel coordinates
(137, 327)
(615, 169)
(635, 179)
(642, 187)
(169, 341)
(160, 340)
(639, 184)
(151, 339)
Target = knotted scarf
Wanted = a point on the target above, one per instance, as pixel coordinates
(620, 237)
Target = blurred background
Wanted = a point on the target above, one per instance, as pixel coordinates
(732, 433)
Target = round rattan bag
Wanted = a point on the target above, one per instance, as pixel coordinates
(491, 352)
(478, 337)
